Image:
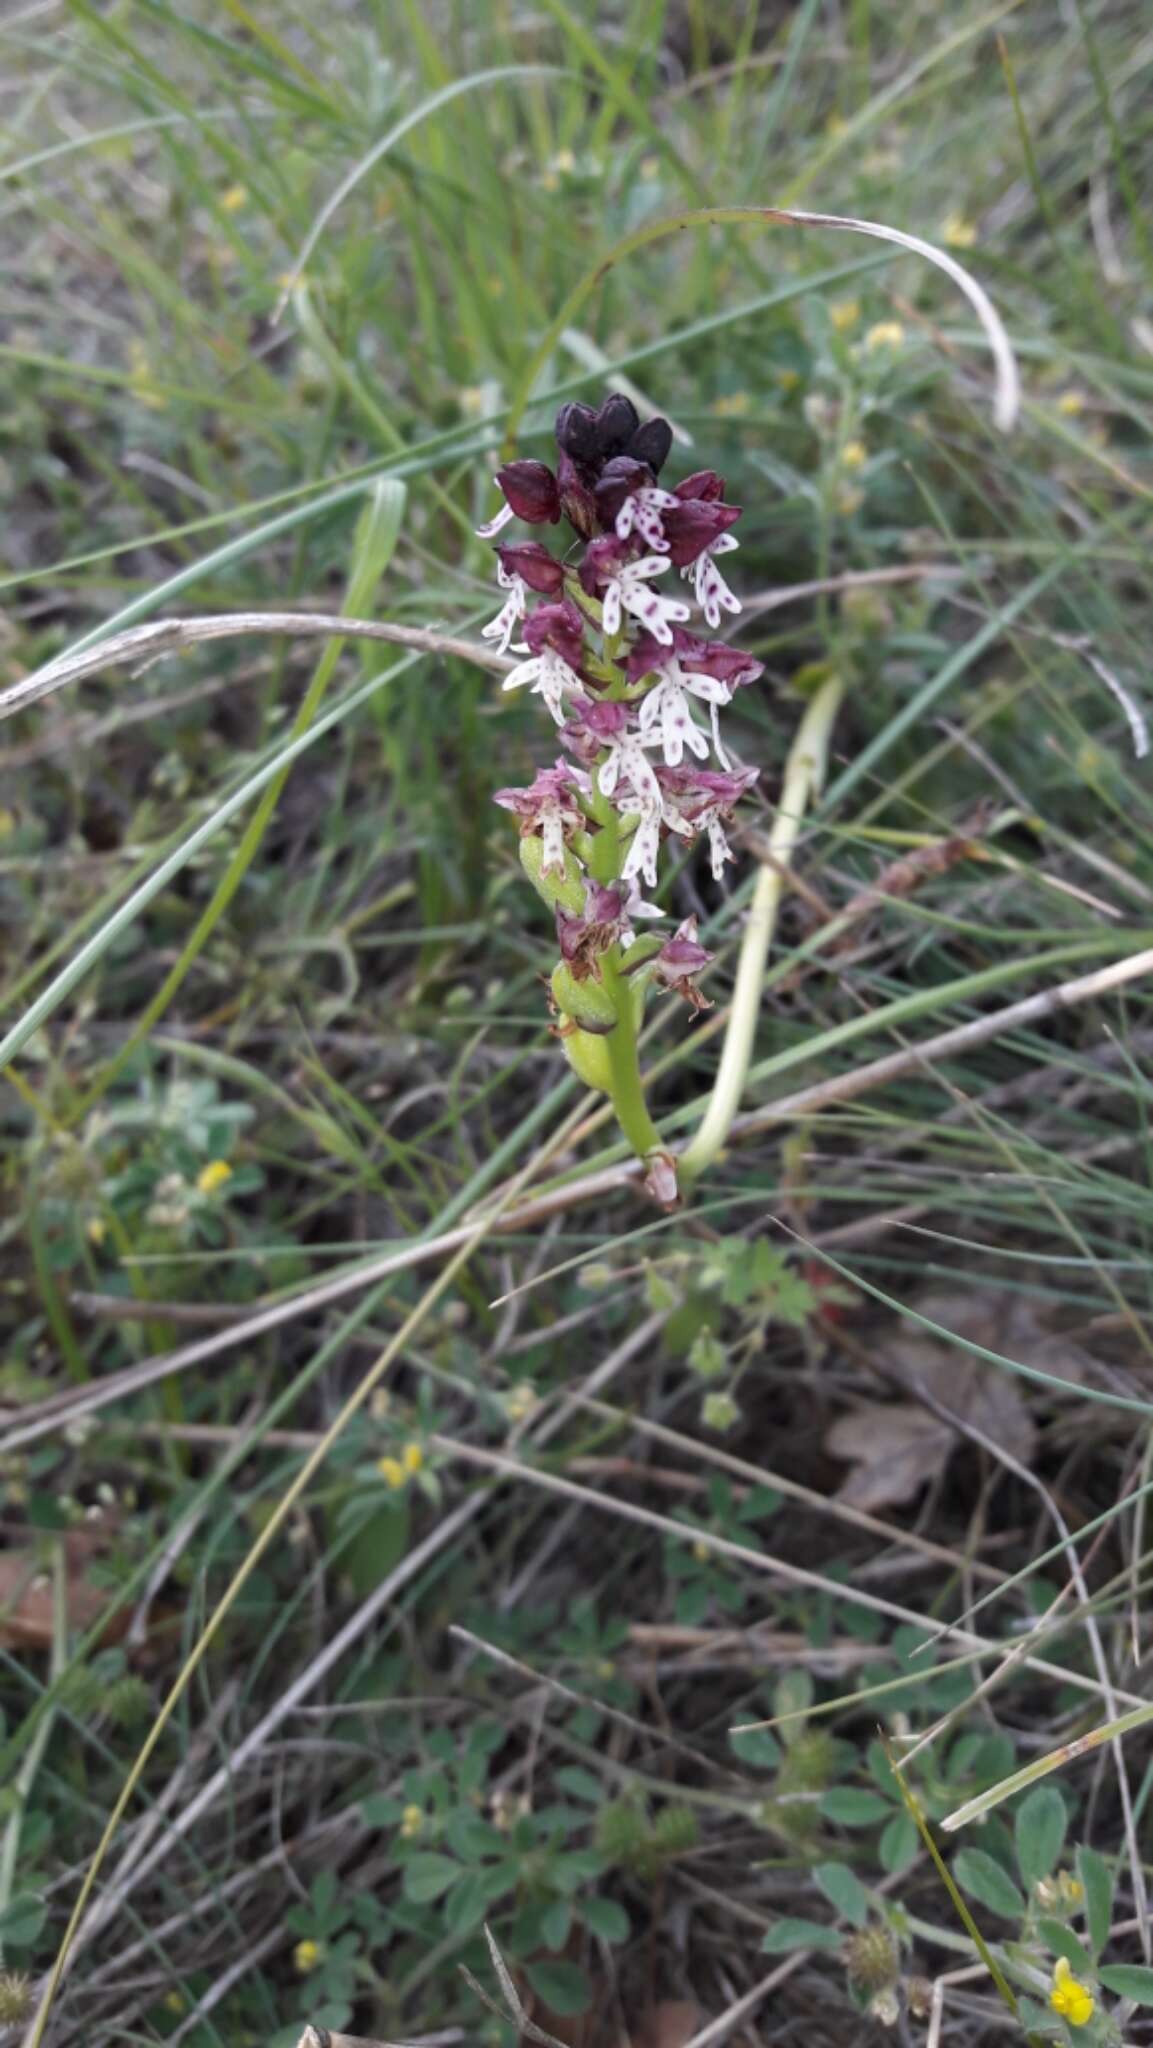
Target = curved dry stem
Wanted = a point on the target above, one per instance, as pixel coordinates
(142, 645)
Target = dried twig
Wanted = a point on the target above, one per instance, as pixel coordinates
(140, 646)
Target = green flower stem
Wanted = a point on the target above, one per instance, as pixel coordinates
(627, 1095)
(804, 776)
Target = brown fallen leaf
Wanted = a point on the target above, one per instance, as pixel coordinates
(896, 1447)
(27, 1595)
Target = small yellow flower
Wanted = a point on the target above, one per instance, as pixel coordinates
(411, 1822)
(886, 334)
(564, 161)
(235, 197)
(306, 1955)
(702, 1551)
(96, 1230)
(1072, 1889)
(520, 1401)
(835, 125)
(174, 2001)
(650, 167)
(392, 1472)
(213, 1176)
(788, 379)
(957, 232)
(731, 405)
(849, 500)
(7, 823)
(412, 1457)
(844, 313)
(1071, 403)
(1072, 1999)
(854, 455)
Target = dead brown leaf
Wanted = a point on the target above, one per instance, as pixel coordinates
(896, 1447)
(27, 1596)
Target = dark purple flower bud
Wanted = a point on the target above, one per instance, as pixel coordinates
(651, 443)
(616, 423)
(531, 489)
(679, 959)
(576, 431)
(576, 498)
(531, 561)
(602, 559)
(698, 657)
(559, 626)
(618, 480)
(703, 483)
(584, 937)
(694, 526)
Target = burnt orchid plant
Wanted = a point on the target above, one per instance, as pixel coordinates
(613, 644)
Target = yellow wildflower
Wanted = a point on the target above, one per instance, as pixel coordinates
(1071, 403)
(854, 455)
(957, 232)
(96, 1230)
(306, 1955)
(412, 1457)
(1072, 1999)
(788, 379)
(235, 197)
(886, 334)
(844, 313)
(213, 1176)
(174, 2001)
(411, 1822)
(520, 1401)
(731, 405)
(392, 1472)
(7, 824)
(702, 1551)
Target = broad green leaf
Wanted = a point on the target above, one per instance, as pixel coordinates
(1062, 1941)
(467, 1904)
(1097, 1879)
(428, 1876)
(844, 1890)
(986, 1882)
(1129, 1980)
(853, 1807)
(555, 1922)
(580, 1784)
(606, 1918)
(757, 1746)
(562, 1985)
(1039, 1833)
(788, 1934)
(22, 1919)
(898, 1844)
